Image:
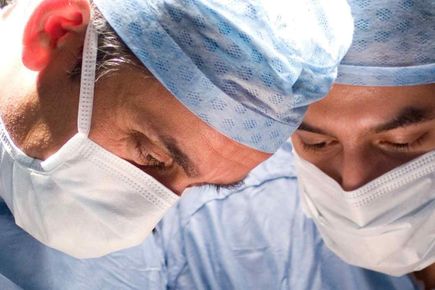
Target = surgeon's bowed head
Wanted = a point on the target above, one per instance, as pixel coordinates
(113, 108)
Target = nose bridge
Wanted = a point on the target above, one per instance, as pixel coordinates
(359, 166)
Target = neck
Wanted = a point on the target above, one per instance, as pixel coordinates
(427, 276)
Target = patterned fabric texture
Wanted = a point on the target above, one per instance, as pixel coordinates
(248, 68)
(393, 44)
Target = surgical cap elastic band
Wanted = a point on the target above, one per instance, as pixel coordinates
(386, 76)
(393, 44)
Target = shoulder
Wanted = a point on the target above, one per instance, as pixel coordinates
(242, 229)
(274, 176)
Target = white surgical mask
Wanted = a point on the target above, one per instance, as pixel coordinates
(83, 200)
(387, 225)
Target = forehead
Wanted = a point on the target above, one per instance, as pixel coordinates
(354, 108)
(348, 99)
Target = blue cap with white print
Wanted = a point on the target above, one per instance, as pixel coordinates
(248, 68)
(393, 44)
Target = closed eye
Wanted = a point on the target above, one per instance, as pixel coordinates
(404, 147)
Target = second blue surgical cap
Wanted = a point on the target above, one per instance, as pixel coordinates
(248, 68)
(393, 44)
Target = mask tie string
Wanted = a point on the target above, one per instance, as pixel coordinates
(87, 82)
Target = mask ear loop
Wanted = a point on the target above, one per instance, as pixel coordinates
(87, 82)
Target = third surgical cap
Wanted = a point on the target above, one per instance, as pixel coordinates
(248, 68)
(393, 44)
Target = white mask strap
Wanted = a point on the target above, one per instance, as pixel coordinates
(87, 82)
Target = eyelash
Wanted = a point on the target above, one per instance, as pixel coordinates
(150, 160)
(315, 147)
(154, 163)
(402, 147)
(405, 147)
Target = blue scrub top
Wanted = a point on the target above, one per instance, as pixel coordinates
(257, 237)
(252, 238)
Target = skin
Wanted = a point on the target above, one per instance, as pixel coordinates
(355, 145)
(134, 116)
(357, 134)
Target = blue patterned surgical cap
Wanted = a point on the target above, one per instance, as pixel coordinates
(248, 68)
(393, 44)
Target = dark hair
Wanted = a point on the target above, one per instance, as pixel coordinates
(3, 3)
(112, 51)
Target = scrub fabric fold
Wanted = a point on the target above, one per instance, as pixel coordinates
(257, 238)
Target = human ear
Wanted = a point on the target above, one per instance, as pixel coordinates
(49, 27)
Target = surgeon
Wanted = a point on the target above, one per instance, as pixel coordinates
(349, 203)
(366, 153)
(111, 109)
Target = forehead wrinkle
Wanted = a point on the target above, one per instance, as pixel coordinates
(406, 117)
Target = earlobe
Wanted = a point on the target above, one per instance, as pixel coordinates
(49, 26)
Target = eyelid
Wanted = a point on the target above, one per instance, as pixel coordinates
(149, 160)
(403, 136)
(312, 138)
(319, 147)
(409, 145)
(150, 152)
(154, 162)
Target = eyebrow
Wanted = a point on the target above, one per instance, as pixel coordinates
(406, 117)
(179, 156)
(313, 129)
(189, 167)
